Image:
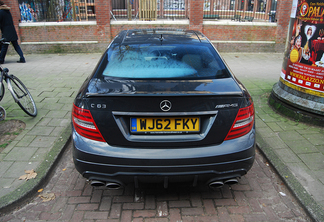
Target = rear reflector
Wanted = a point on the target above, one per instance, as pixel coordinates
(243, 123)
(83, 123)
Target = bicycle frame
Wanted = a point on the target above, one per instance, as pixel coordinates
(1, 79)
(19, 92)
(4, 76)
(2, 110)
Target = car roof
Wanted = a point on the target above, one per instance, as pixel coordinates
(160, 36)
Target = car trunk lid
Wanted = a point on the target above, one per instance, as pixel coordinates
(201, 112)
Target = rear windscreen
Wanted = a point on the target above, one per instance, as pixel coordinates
(179, 61)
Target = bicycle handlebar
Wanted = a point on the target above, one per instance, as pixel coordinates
(4, 41)
(4, 69)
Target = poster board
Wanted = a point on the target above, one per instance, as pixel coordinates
(303, 66)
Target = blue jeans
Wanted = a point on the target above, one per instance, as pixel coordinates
(4, 49)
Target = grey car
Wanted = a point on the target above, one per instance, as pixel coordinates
(162, 107)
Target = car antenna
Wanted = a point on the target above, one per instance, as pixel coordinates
(161, 39)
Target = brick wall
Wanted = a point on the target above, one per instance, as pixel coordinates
(103, 31)
(115, 29)
(196, 15)
(283, 17)
(240, 32)
(103, 20)
(60, 33)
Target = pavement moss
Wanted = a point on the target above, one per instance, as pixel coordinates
(312, 207)
(30, 187)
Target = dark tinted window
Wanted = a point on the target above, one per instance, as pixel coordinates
(171, 61)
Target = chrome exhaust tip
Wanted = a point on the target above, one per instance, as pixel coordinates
(113, 185)
(216, 184)
(96, 183)
(231, 181)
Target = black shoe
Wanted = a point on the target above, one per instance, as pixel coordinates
(21, 61)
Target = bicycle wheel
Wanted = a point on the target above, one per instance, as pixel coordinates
(22, 96)
(2, 113)
(2, 91)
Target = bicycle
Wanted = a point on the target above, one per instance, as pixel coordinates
(18, 90)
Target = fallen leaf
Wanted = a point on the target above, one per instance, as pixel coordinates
(40, 190)
(47, 197)
(64, 169)
(30, 174)
(29, 171)
(23, 177)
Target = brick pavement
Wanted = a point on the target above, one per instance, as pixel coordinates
(53, 81)
(259, 196)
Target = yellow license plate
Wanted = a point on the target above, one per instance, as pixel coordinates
(167, 125)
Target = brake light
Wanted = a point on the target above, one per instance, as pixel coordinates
(84, 124)
(243, 123)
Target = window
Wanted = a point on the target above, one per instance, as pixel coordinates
(146, 61)
(56, 10)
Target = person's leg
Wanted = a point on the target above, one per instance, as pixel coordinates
(4, 49)
(19, 51)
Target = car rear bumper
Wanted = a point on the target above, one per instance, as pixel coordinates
(99, 161)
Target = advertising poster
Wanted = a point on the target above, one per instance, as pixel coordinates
(303, 67)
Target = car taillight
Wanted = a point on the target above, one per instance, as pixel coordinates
(243, 123)
(84, 124)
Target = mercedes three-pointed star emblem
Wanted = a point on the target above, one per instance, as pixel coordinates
(165, 105)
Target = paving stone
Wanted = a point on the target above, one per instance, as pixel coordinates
(43, 141)
(20, 154)
(275, 142)
(4, 166)
(267, 118)
(115, 211)
(274, 127)
(267, 132)
(51, 106)
(310, 130)
(320, 175)
(9, 147)
(313, 160)
(59, 122)
(316, 139)
(133, 206)
(17, 169)
(56, 113)
(5, 183)
(301, 146)
(150, 202)
(179, 203)
(290, 135)
(2, 156)
(291, 125)
(57, 132)
(26, 140)
(144, 213)
(41, 131)
(287, 156)
(260, 124)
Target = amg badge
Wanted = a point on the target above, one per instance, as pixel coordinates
(226, 106)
